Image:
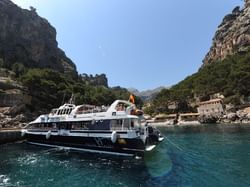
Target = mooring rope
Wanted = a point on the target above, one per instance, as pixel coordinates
(175, 145)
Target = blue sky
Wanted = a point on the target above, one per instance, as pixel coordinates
(136, 43)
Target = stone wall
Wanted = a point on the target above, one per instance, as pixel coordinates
(10, 136)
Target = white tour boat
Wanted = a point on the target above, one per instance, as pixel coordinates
(118, 129)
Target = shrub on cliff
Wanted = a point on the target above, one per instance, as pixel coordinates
(50, 89)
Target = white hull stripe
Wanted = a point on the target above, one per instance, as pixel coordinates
(81, 149)
(103, 135)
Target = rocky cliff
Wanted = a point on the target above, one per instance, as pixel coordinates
(29, 39)
(232, 36)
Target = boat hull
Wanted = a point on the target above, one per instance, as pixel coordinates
(122, 147)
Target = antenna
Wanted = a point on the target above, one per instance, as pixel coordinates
(72, 99)
(63, 98)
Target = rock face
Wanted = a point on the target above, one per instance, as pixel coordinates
(232, 36)
(97, 80)
(29, 39)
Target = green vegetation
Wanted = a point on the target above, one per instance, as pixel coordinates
(19, 69)
(50, 89)
(230, 77)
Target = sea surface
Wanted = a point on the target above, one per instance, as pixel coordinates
(210, 157)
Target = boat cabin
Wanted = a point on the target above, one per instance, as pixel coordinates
(120, 124)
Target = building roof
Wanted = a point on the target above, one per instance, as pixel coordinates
(161, 116)
(210, 101)
(247, 110)
(190, 114)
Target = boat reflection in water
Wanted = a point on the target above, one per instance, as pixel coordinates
(117, 130)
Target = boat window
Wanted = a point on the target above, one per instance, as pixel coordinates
(70, 110)
(59, 112)
(126, 124)
(47, 126)
(66, 126)
(135, 124)
(32, 126)
(43, 126)
(54, 126)
(84, 125)
(53, 111)
(120, 107)
(116, 124)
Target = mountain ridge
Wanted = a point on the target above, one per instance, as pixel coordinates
(146, 95)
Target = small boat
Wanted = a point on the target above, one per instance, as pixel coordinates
(117, 130)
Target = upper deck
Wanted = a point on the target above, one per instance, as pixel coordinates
(119, 109)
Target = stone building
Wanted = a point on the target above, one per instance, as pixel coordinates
(213, 107)
(189, 117)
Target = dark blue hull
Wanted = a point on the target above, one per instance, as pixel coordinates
(123, 146)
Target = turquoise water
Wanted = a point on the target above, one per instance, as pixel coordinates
(183, 159)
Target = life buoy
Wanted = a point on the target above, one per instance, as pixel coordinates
(114, 136)
(48, 135)
(23, 132)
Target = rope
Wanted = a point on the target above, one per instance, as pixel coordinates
(175, 145)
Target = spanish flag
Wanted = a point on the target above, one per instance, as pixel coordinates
(131, 99)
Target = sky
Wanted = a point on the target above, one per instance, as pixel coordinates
(141, 44)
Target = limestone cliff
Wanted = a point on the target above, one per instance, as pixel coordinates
(232, 36)
(29, 39)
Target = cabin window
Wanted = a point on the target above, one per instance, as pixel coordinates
(135, 123)
(54, 126)
(32, 126)
(70, 110)
(116, 124)
(53, 111)
(64, 126)
(121, 107)
(84, 125)
(48, 126)
(126, 124)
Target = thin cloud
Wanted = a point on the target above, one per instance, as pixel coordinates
(103, 53)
